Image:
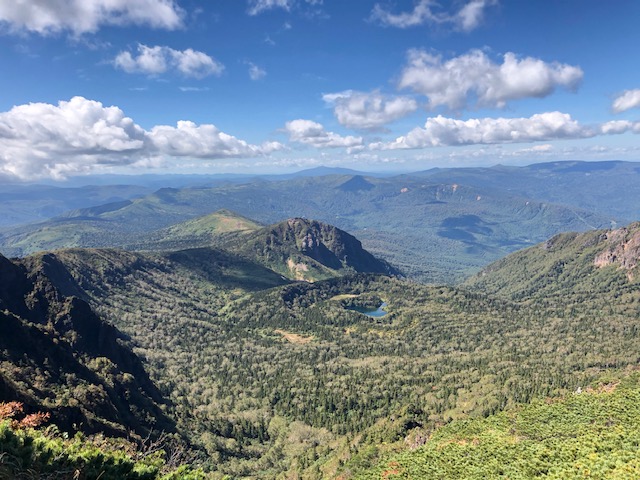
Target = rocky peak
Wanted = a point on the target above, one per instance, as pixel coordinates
(304, 249)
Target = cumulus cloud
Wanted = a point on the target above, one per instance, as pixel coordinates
(41, 140)
(371, 110)
(470, 16)
(314, 134)
(441, 131)
(426, 12)
(160, 59)
(203, 141)
(626, 100)
(617, 127)
(458, 81)
(87, 16)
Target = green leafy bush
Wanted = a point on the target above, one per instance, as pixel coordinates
(33, 453)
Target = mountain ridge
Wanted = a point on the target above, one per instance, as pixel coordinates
(438, 226)
(71, 362)
(304, 249)
(270, 375)
(568, 263)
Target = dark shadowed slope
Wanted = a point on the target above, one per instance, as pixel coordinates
(58, 355)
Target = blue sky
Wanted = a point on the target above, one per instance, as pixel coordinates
(160, 86)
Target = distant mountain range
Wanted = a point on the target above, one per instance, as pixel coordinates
(435, 226)
(22, 204)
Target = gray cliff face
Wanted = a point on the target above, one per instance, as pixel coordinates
(622, 248)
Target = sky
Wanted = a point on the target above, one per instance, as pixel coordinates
(269, 86)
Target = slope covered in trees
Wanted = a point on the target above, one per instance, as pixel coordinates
(288, 379)
(213, 229)
(599, 263)
(58, 356)
(590, 433)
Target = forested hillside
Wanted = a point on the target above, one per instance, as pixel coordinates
(600, 264)
(58, 356)
(213, 229)
(590, 433)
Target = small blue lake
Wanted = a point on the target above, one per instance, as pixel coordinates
(379, 312)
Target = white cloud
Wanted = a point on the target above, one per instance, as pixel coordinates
(441, 131)
(420, 15)
(259, 6)
(510, 154)
(41, 140)
(541, 150)
(617, 127)
(425, 12)
(626, 100)
(314, 134)
(193, 89)
(368, 110)
(255, 72)
(456, 82)
(87, 16)
(471, 15)
(203, 141)
(159, 59)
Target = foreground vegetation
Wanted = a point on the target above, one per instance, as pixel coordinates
(29, 451)
(591, 433)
